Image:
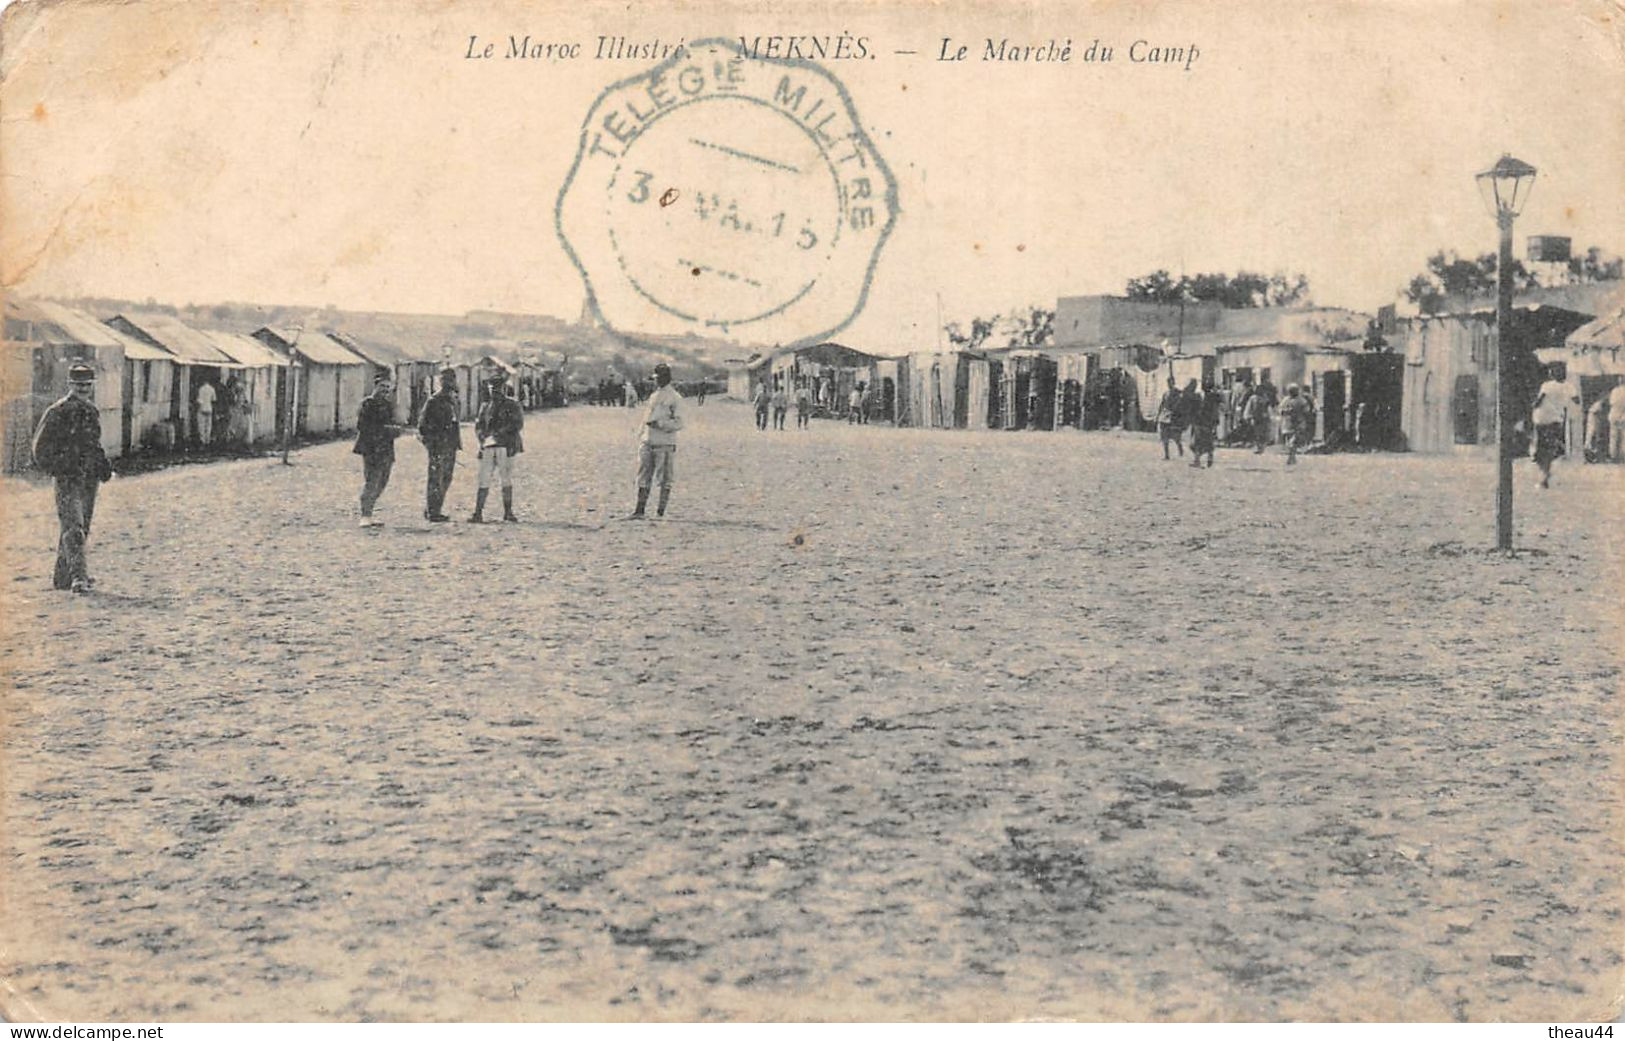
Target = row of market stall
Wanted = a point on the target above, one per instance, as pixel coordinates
(164, 384)
(1424, 384)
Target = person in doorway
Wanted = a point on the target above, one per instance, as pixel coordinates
(1550, 417)
(657, 444)
(1204, 417)
(1258, 419)
(854, 403)
(1169, 412)
(204, 398)
(780, 405)
(762, 400)
(498, 428)
(699, 392)
(1616, 423)
(375, 444)
(1297, 423)
(68, 446)
(442, 436)
(803, 406)
(235, 409)
(1596, 448)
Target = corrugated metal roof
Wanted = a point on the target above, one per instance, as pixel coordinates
(384, 355)
(322, 349)
(188, 345)
(1604, 333)
(61, 323)
(245, 349)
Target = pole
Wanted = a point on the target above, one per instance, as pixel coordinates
(288, 392)
(290, 395)
(1505, 414)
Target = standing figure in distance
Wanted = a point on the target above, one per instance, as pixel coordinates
(803, 406)
(761, 400)
(375, 432)
(205, 414)
(657, 443)
(68, 446)
(1616, 423)
(779, 406)
(498, 428)
(1204, 409)
(1296, 422)
(1169, 431)
(442, 435)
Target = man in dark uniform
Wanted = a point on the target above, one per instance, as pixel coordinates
(68, 446)
(442, 436)
(497, 426)
(375, 444)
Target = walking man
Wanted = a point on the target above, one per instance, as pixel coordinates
(1204, 410)
(1550, 417)
(498, 428)
(761, 401)
(68, 446)
(442, 435)
(779, 405)
(375, 432)
(1296, 422)
(803, 406)
(1169, 411)
(657, 443)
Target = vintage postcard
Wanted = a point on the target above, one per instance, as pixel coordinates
(812, 511)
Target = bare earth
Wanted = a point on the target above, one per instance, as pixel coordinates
(882, 724)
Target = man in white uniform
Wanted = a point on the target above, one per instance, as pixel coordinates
(1616, 420)
(205, 414)
(657, 442)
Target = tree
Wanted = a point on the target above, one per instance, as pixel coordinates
(1450, 276)
(1243, 289)
(980, 330)
(1031, 326)
(1596, 266)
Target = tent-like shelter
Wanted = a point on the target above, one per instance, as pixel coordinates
(329, 380)
(197, 361)
(262, 386)
(42, 340)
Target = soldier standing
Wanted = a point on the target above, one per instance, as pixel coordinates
(68, 446)
(657, 443)
(375, 444)
(497, 426)
(442, 436)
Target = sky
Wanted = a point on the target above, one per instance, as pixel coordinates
(348, 153)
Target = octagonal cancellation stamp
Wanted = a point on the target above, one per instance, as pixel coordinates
(722, 193)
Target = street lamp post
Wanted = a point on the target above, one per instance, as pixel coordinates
(290, 412)
(1505, 187)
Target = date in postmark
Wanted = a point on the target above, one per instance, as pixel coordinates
(722, 193)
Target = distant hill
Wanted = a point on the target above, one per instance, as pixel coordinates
(592, 351)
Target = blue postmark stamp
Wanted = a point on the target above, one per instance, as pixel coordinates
(719, 193)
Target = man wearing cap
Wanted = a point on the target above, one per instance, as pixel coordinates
(657, 442)
(442, 436)
(375, 444)
(68, 446)
(498, 428)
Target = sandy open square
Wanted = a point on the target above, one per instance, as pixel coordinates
(881, 724)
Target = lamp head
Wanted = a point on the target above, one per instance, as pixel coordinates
(1506, 186)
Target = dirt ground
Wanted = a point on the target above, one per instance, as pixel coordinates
(880, 724)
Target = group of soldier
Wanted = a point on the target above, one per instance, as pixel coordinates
(1199, 406)
(68, 446)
